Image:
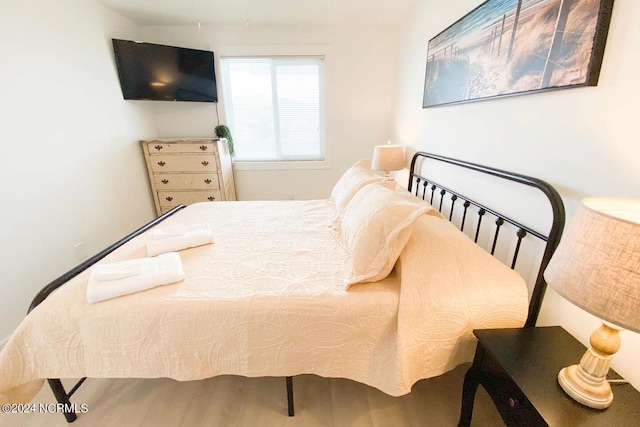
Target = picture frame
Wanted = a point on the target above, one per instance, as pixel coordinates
(515, 47)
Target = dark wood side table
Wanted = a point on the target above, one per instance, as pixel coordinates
(519, 368)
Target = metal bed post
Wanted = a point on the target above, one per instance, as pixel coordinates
(290, 396)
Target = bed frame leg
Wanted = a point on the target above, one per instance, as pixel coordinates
(290, 396)
(63, 398)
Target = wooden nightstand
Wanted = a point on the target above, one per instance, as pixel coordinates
(519, 367)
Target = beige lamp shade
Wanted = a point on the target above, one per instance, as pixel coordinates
(388, 157)
(597, 264)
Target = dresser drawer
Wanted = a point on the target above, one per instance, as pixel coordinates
(184, 163)
(158, 148)
(186, 181)
(174, 198)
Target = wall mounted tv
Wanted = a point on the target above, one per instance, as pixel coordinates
(155, 72)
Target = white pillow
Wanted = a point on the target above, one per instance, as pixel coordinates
(356, 177)
(374, 228)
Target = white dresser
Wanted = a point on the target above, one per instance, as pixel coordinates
(188, 170)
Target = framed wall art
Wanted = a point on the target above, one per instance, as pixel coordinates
(514, 47)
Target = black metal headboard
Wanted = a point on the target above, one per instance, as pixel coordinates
(436, 193)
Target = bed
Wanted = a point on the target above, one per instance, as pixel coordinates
(375, 284)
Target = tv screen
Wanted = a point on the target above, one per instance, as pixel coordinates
(165, 73)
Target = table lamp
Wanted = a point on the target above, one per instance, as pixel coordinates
(597, 268)
(388, 158)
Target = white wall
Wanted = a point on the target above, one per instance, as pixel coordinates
(71, 169)
(359, 69)
(583, 141)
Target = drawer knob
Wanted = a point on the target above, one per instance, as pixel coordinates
(169, 198)
(165, 181)
(512, 402)
(159, 147)
(211, 198)
(207, 181)
(161, 163)
(205, 163)
(203, 147)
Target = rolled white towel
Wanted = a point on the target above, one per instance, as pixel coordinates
(114, 279)
(178, 237)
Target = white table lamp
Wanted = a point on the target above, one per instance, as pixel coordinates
(597, 268)
(388, 158)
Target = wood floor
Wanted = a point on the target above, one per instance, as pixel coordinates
(238, 401)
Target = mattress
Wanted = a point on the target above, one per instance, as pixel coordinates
(268, 299)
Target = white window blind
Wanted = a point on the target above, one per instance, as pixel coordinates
(275, 107)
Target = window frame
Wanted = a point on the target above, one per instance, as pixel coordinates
(282, 53)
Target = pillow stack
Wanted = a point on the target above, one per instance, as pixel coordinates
(374, 222)
(375, 227)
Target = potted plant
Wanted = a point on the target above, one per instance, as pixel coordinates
(222, 131)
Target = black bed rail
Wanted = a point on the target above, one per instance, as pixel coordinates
(46, 291)
(62, 396)
(552, 238)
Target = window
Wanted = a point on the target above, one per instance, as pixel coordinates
(275, 107)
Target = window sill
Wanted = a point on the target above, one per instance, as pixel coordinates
(299, 165)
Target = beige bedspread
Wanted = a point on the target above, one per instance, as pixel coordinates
(253, 309)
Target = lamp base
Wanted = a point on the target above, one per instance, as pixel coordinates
(594, 394)
(587, 382)
(388, 180)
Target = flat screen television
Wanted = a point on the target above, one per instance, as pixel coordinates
(156, 72)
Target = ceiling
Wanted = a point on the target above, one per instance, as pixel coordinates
(293, 12)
